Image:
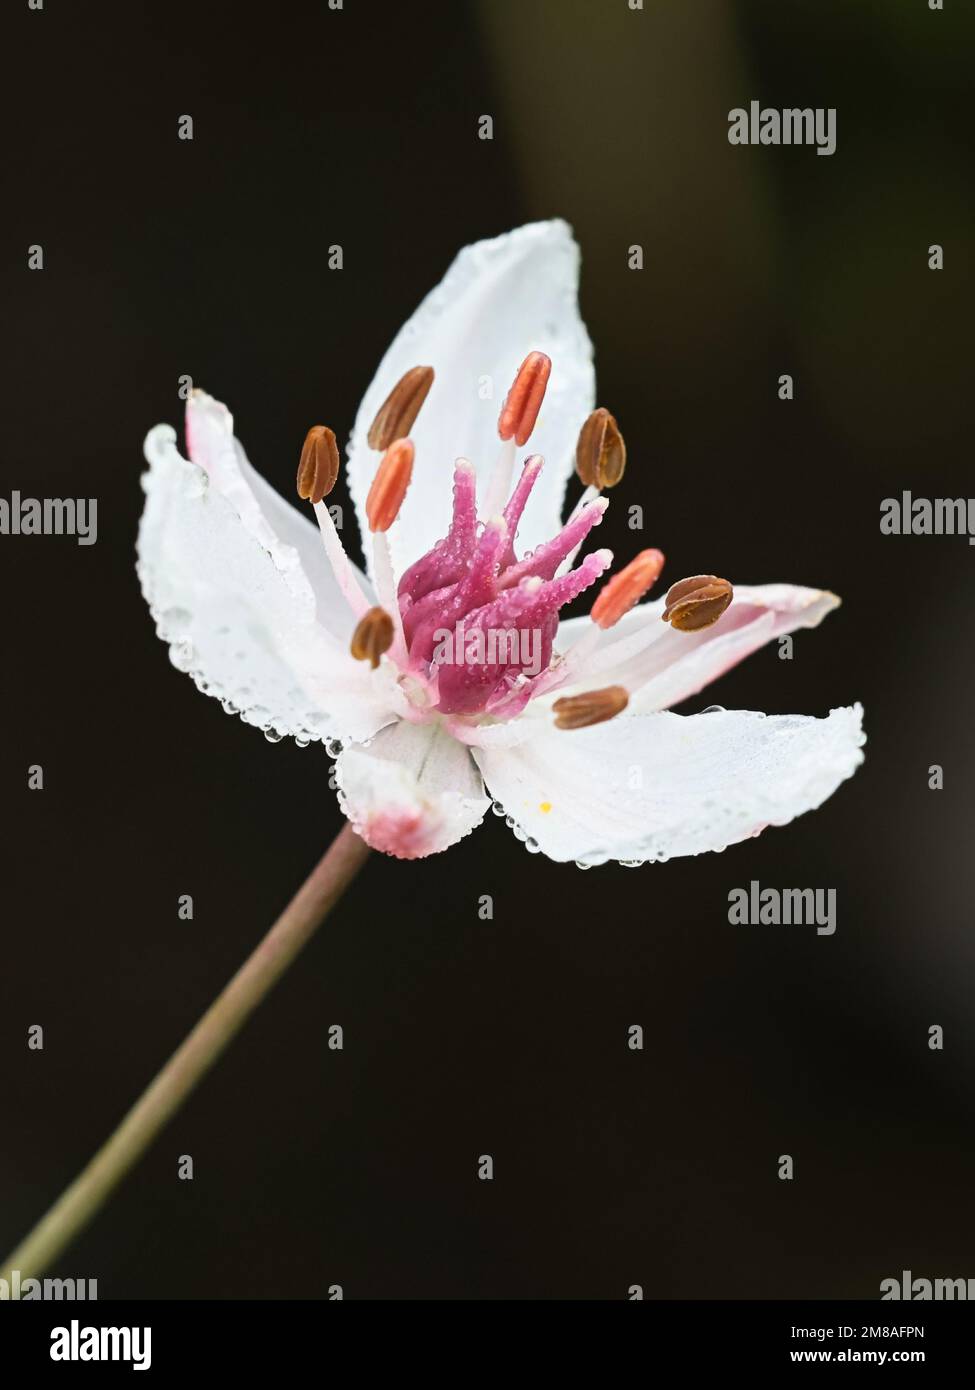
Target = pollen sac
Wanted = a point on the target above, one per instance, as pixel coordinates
(389, 485)
(397, 414)
(625, 589)
(600, 452)
(318, 467)
(593, 707)
(524, 400)
(373, 636)
(697, 602)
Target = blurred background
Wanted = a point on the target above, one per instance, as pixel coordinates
(463, 1037)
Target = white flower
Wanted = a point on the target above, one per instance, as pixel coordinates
(261, 606)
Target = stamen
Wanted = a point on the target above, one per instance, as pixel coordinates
(318, 471)
(389, 485)
(382, 567)
(524, 400)
(625, 589)
(397, 414)
(600, 452)
(373, 636)
(499, 484)
(345, 575)
(697, 602)
(318, 467)
(592, 707)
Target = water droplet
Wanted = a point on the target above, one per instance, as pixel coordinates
(632, 863)
(333, 747)
(301, 741)
(532, 846)
(181, 654)
(714, 709)
(497, 808)
(273, 735)
(581, 864)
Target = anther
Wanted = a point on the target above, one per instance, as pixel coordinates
(625, 589)
(373, 636)
(389, 485)
(318, 467)
(524, 400)
(397, 414)
(600, 452)
(593, 707)
(697, 602)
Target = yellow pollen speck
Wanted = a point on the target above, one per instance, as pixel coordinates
(545, 806)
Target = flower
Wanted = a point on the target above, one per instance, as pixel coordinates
(444, 682)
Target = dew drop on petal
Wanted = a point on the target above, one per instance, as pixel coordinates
(181, 654)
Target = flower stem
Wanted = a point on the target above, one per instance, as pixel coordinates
(193, 1059)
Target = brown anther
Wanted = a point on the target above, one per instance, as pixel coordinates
(524, 400)
(372, 637)
(397, 414)
(697, 602)
(625, 589)
(318, 467)
(600, 452)
(594, 707)
(389, 485)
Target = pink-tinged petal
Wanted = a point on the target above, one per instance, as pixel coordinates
(654, 786)
(239, 612)
(500, 300)
(660, 666)
(412, 791)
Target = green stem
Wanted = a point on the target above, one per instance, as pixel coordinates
(192, 1060)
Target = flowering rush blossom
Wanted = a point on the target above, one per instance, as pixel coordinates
(443, 682)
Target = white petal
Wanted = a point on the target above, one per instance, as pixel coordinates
(655, 786)
(412, 791)
(239, 612)
(499, 300)
(660, 666)
(290, 536)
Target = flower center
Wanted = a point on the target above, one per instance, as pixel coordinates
(470, 626)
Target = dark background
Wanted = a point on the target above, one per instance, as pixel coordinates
(165, 257)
